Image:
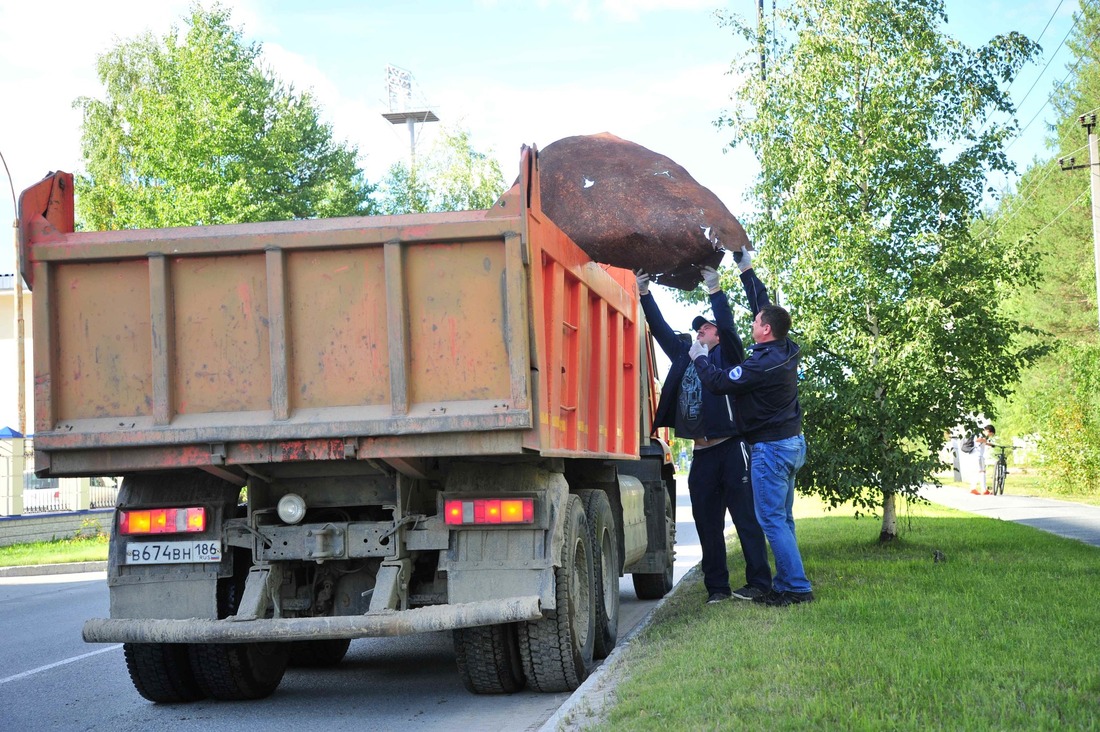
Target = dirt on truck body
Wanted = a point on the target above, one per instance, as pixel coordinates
(346, 428)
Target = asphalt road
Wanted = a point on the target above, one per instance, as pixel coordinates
(51, 680)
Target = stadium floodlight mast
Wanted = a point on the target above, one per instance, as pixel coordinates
(21, 372)
(399, 89)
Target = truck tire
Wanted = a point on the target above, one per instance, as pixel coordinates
(557, 650)
(238, 671)
(317, 653)
(488, 659)
(161, 672)
(605, 562)
(657, 585)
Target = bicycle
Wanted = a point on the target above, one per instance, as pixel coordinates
(1000, 470)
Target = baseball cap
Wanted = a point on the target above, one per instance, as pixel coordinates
(700, 321)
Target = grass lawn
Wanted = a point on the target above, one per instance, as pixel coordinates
(84, 549)
(1003, 634)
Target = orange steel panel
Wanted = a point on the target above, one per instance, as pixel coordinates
(223, 360)
(629, 424)
(45, 352)
(554, 282)
(337, 324)
(104, 362)
(46, 212)
(572, 357)
(596, 375)
(614, 384)
(455, 301)
(569, 348)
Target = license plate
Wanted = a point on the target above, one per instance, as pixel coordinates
(173, 552)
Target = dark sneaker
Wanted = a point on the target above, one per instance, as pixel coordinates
(799, 597)
(717, 597)
(748, 592)
(772, 598)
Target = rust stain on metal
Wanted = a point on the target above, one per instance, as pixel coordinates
(630, 207)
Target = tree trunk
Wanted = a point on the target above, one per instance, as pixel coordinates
(889, 518)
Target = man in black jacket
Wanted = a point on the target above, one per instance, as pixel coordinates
(719, 477)
(770, 418)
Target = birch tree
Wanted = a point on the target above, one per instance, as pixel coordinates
(875, 131)
(193, 129)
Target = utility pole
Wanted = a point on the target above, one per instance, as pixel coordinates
(20, 356)
(1088, 121)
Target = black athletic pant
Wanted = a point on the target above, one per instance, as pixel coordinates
(719, 480)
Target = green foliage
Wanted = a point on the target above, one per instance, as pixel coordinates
(1069, 438)
(193, 130)
(451, 177)
(91, 528)
(875, 132)
(1047, 220)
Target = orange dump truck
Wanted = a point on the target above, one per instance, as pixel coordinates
(349, 428)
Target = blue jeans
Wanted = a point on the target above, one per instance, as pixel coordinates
(719, 482)
(774, 465)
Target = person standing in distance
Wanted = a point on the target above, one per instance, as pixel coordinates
(770, 418)
(719, 476)
(981, 445)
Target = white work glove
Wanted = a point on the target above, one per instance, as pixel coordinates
(711, 279)
(743, 259)
(643, 282)
(697, 349)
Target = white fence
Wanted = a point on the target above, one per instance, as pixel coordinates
(23, 493)
(69, 494)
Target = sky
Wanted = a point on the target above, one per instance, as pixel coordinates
(511, 72)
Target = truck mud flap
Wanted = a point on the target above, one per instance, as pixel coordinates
(373, 625)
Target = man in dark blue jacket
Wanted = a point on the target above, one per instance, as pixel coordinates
(719, 477)
(770, 418)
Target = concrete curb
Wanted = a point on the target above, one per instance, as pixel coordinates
(596, 694)
(34, 570)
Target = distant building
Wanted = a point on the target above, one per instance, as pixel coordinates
(9, 405)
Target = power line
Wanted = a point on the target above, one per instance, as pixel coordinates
(1014, 78)
(1035, 184)
(1067, 208)
(1049, 21)
(1049, 62)
(1023, 197)
(1050, 99)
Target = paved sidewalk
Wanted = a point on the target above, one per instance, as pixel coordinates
(1071, 520)
(33, 570)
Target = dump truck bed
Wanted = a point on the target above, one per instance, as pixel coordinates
(389, 337)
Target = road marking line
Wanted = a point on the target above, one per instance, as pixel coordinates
(67, 661)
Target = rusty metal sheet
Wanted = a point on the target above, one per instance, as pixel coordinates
(630, 207)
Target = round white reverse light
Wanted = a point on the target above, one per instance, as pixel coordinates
(292, 508)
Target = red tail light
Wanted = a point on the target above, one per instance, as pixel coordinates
(162, 521)
(490, 511)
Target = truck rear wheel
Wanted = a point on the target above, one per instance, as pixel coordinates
(161, 672)
(488, 659)
(238, 671)
(557, 650)
(605, 561)
(317, 653)
(657, 585)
